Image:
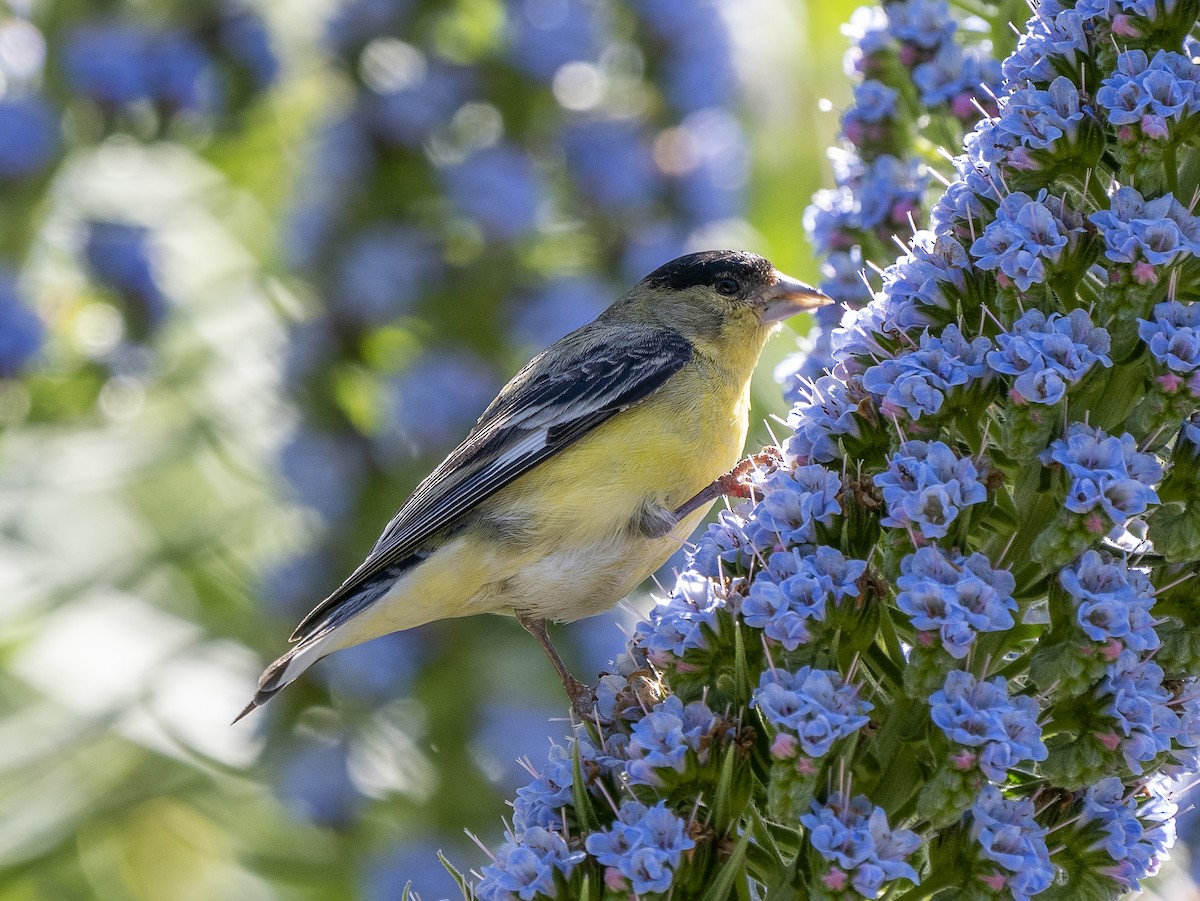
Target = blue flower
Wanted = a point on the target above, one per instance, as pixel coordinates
(1107, 473)
(926, 485)
(795, 501)
(1026, 236)
(1007, 834)
(676, 626)
(245, 38)
(918, 380)
(853, 835)
(1134, 697)
(923, 23)
(181, 76)
(1047, 354)
(499, 188)
(981, 715)
(1153, 95)
(1037, 120)
(645, 845)
(21, 329)
(1112, 601)
(796, 588)
(1136, 837)
(815, 704)
(955, 596)
(526, 867)
(1056, 41)
(28, 137)
(823, 411)
(665, 736)
(1173, 335)
(540, 802)
(1159, 232)
(730, 541)
(108, 63)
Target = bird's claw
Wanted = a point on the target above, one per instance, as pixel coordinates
(583, 699)
(737, 482)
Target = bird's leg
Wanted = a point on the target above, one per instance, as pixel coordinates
(582, 698)
(734, 483)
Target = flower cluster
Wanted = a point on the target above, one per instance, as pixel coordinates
(1014, 860)
(1135, 835)
(1173, 338)
(641, 848)
(1047, 354)
(526, 868)
(1112, 602)
(1028, 235)
(926, 485)
(794, 592)
(991, 729)
(1107, 475)
(667, 737)
(816, 705)
(951, 598)
(860, 854)
(918, 381)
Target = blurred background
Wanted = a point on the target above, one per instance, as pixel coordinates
(261, 266)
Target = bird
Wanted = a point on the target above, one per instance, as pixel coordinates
(590, 468)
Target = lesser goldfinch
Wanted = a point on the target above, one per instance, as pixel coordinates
(581, 478)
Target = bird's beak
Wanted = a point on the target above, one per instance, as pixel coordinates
(789, 296)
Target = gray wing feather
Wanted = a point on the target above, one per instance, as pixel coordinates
(535, 416)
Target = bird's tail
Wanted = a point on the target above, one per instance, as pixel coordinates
(284, 671)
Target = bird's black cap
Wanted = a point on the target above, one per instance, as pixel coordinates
(706, 267)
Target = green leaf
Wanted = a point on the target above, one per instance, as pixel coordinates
(459, 879)
(730, 873)
(585, 815)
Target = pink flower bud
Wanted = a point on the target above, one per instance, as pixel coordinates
(1145, 273)
(785, 746)
(1111, 650)
(614, 881)
(805, 766)
(963, 760)
(1124, 26)
(1110, 740)
(1169, 382)
(996, 882)
(835, 880)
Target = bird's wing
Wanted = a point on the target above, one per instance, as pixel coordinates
(540, 412)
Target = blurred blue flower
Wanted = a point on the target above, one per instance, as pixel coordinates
(354, 23)
(437, 399)
(180, 70)
(509, 731)
(406, 116)
(499, 188)
(21, 329)
(545, 35)
(382, 272)
(414, 862)
(925, 23)
(378, 670)
(245, 38)
(108, 63)
(1007, 834)
(292, 587)
(697, 59)
(119, 257)
(612, 163)
(314, 782)
(926, 485)
(651, 245)
(712, 185)
(557, 307)
(28, 137)
(327, 470)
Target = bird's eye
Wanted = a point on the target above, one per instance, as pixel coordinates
(728, 286)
